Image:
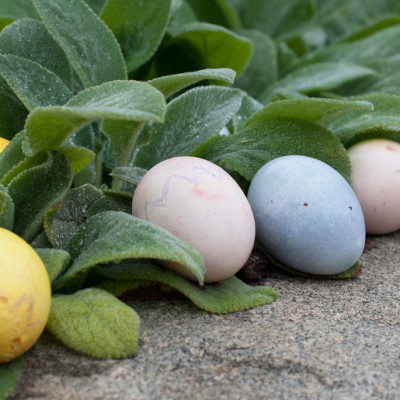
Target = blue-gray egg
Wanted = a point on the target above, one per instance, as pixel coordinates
(307, 215)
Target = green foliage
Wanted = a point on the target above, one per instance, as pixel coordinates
(95, 323)
(94, 93)
(9, 375)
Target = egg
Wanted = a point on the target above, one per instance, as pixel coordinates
(25, 296)
(307, 215)
(200, 203)
(375, 179)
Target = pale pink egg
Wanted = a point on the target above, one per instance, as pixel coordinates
(375, 179)
(200, 203)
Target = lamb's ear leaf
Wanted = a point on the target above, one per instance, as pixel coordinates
(34, 85)
(261, 141)
(95, 323)
(55, 261)
(48, 127)
(29, 38)
(114, 236)
(46, 183)
(6, 209)
(89, 44)
(190, 119)
(10, 374)
(171, 84)
(226, 296)
(138, 26)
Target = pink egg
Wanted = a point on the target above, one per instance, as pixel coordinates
(200, 203)
(376, 181)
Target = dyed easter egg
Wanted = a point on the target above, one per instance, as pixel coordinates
(200, 203)
(307, 215)
(375, 179)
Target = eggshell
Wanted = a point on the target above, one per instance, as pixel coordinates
(307, 216)
(201, 204)
(376, 181)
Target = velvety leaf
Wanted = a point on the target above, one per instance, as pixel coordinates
(216, 46)
(63, 221)
(381, 44)
(78, 157)
(369, 29)
(48, 127)
(12, 154)
(17, 9)
(10, 374)
(89, 45)
(30, 39)
(35, 190)
(248, 150)
(385, 116)
(248, 107)
(277, 18)
(115, 236)
(33, 84)
(319, 77)
(6, 209)
(95, 323)
(223, 297)
(12, 112)
(218, 12)
(189, 120)
(172, 84)
(262, 69)
(55, 261)
(132, 175)
(138, 25)
(96, 5)
(308, 109)
(122, 136)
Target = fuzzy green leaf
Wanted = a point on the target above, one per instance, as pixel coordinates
(223, 297)
(12, 112)
(308, 109)
(132, 175)
(318, 77)
(6, 209)
(384, 117)
(277, 18)
(382, 44)
(12, 154)
(48, 127)
(262, 70)
(10, 373)
(17, 9)
(34, 85)
(88, 43)
(138, 25)
(61, 223)
(95, 323)
(54, 260)
(218, 12)
(216, 47)
(115, 236)
(35, 190)
(189, 120)
(262, 141)
(30, 39)
(172, 84)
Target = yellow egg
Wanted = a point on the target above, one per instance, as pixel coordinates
(3, 143)
(25, 296)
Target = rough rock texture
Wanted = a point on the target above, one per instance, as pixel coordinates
(320, 340)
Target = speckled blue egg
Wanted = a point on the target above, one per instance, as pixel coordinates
(307, 215)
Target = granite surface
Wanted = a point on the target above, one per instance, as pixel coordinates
(320, 340)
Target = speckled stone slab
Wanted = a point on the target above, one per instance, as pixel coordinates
(320, 340)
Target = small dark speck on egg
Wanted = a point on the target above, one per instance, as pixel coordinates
(350, 208)
(305, 204)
